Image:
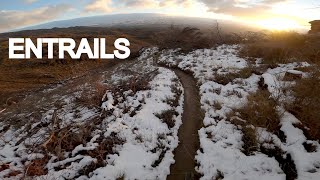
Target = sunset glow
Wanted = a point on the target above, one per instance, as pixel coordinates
(266, 14)
(278, 24)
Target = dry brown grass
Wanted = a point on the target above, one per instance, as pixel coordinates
(224, 79)
(174, 101)
(284, 159)
(93, 98)
(138, 82)
(187, 39)
(260, 111)
(65, 139)
(270, 55)
(284, 47)
(106, 146)
(37, 167)
(167, 117)
(250, 140)
(305, 106)
(19, 76)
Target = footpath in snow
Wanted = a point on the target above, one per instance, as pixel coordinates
(221, 145)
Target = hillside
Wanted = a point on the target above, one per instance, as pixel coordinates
(186, 105)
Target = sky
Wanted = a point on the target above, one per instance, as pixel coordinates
(270, 14)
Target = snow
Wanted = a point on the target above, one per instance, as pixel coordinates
(204, 63)
(220, 140)
(146, 149)
(135, 158)
(147, 143)
(307, 163)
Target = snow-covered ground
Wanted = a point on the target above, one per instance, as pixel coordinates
(132, 135)
(221, 142)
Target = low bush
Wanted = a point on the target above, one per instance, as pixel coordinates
(187, 39)
(260, 111)
(167, 117)
(283, 47)
(250, 140)
(224, 79)
(305, 104)
(37, 167)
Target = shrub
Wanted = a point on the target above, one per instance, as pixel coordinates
(92, 98)
(250, 141)
(260, 111)
(224, 79)
(305, 104)
(283, 47)
(167, 117)
(37, 167)
(270, 55)
(187, 39)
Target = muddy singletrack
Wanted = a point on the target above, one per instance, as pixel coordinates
(192, 117)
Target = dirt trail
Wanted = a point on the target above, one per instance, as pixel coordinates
(192, 118)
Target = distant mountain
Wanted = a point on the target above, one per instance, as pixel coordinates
(138, 20)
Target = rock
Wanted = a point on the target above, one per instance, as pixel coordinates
(315, 27)
(262, 84)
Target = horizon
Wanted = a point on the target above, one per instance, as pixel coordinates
(266, 14)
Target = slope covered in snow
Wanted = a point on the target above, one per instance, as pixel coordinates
(222, 140)
(132, 135)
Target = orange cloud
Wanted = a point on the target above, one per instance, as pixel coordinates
(15, 19)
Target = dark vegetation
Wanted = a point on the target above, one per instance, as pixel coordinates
(19, 76)
(186, 39)
(305, 105)
(285, 161)
(224, 79)
(272, 47)
(276, 48)
(167, 117)
(283, 47)
(260, 111)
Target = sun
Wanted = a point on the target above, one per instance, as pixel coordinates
(278, 24)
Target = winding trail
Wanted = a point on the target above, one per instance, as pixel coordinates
(192, 117)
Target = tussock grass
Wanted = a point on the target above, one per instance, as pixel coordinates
(187, 39)
(167, 117)
(260, 111)
(306, 104)
(224, 79)
(37, 167)
(250, 140)
(92, 98)
(285, 161)
(284, 47)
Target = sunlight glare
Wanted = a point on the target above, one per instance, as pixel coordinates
(278, 24)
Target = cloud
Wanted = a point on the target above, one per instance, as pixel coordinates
(107, 6)
(139, 3)
(169, 3)
(30, 1)
(15, 19)
(99, 6)
(241, 8)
